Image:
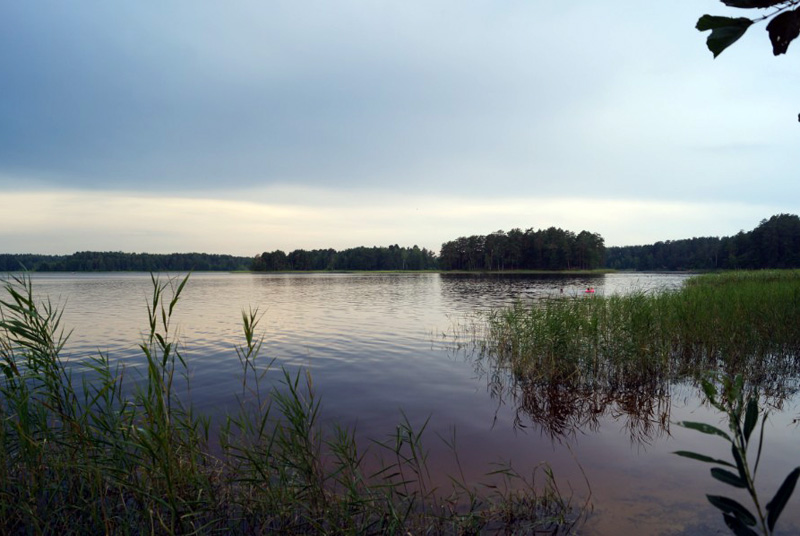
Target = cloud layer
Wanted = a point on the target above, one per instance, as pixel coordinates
(479, 111)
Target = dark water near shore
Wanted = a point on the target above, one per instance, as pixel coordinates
(379, 344)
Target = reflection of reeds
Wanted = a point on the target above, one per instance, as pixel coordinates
(574, 359)
(89, 459)
(561, 409)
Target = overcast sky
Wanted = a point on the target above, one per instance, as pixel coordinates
(249, 126)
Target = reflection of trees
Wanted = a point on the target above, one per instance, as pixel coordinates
(487, 290)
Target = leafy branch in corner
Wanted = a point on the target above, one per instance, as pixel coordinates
(783, 26)
(742, 420)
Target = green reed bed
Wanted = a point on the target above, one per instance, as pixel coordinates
(106, 454)
(735, 322)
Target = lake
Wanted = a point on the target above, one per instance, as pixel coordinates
(382, 345)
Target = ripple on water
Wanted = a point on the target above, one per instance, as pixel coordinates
(368, 340)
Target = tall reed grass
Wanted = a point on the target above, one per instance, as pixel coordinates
(738, 322)
(110, 454)
(566, 361)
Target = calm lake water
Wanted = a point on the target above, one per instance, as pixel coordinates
(379, 345)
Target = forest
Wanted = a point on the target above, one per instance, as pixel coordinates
(112, 261)
(359, 258)
(774, 243)
(549, 249)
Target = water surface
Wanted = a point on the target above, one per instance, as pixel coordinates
(379, 344)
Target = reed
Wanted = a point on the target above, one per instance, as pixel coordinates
(738, 322)
(109, 454)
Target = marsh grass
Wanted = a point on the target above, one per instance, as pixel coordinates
(567, 361)
(737, 322)
(109, 454)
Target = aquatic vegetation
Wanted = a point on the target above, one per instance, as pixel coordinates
(742, 421)
(719, 319)
(567, 360)
(102, 452)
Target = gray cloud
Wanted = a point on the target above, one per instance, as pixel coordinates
(475, 97)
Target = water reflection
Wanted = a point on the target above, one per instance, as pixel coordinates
(561, 408)
(486, 290)
(367, 340)
(495, 290)
(576, 393)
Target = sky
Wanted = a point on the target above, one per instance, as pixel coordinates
(255, 125)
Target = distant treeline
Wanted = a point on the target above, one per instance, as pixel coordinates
(95, 261)
(359, 258)
(549, 249)
(775, 243)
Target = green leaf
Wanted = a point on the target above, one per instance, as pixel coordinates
(704, 428)
(729, 506)
(701, 457)
(775, 506)
(728, 477)
(750, 418)
(178, 293)
(783, 29)
(724, 31)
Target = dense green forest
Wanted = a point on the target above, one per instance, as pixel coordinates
(93, 261)
(359, 258)
(549, 249)
(774, 243)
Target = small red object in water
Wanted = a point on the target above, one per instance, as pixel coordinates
(590, 291)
